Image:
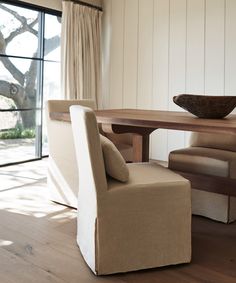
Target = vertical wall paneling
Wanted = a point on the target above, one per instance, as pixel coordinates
(230, 48)
(160, 48)
(117, 52)
(160, 73)
(130, 53)
(177, 64)
(214, 47)
(177, 50)
(106, 49)
(145, 52)
(195, 45)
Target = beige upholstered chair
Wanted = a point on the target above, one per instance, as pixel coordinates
(62, 168)
(142, 223)
(62, 172)
(210, 164)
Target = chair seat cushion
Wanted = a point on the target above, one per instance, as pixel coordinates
(115, 165)
(148, 174)
(203, 160)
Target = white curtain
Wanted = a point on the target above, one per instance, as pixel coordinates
(81, 52)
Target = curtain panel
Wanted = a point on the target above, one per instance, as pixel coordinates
(81, 52)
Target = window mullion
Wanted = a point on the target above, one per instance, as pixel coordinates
(39, 100)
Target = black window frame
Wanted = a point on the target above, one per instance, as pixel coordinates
(43, 11)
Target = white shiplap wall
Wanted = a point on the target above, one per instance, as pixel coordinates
(155, 49)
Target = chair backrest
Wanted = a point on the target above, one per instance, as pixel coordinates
(217, 141)
(59, 132)
(61, 146)
(92, 178)
(88, 150)
(64, 105)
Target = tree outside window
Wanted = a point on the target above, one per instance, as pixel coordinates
(29, 66)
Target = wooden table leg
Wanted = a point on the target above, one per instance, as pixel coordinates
(140, 148)
(140, 139)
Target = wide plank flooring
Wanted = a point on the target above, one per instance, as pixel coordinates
(37, 241)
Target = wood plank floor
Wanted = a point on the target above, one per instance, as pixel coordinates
(37, 243)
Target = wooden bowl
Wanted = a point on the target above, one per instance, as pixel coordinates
(205, 106)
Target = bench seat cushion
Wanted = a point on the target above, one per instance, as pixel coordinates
(211, 162)
(203, 160)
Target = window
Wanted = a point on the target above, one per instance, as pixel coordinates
(29, 74)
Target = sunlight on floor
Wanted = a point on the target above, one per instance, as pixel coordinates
(23, 174)
(24, 191)
(4, 243)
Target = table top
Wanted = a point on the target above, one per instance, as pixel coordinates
(159, 119)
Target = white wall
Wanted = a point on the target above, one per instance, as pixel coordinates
(155, 49)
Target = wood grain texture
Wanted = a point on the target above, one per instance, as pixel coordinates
(38, 244)
(144, 122)
(159, 119)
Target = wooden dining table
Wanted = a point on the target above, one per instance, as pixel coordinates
(141, 123)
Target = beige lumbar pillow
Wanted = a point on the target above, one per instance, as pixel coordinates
(115, 165)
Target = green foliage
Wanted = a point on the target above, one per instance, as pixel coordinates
(17, 133)
(28, 133)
